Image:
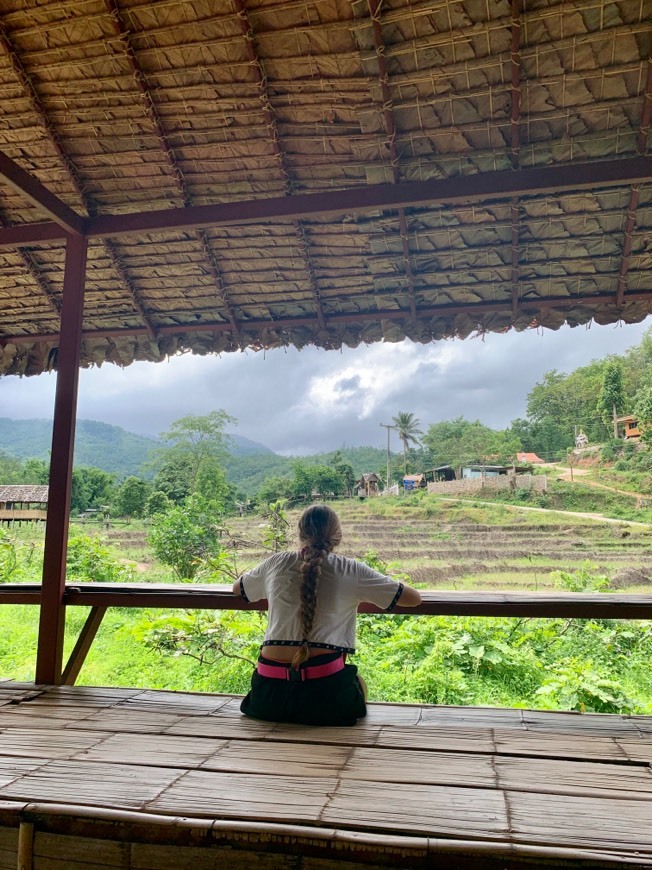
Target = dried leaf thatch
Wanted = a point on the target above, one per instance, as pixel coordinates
(121, 106)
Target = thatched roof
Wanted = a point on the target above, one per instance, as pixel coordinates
(123, 106)
(28, 493)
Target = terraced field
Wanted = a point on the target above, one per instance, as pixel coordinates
(462, 547)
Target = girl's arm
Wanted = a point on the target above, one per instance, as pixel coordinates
(409, 597)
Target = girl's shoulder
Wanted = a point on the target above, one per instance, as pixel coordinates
(345, 564)
(282, 559)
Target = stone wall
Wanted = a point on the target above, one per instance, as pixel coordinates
(534, 482)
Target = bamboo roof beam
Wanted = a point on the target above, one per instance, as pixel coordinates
(634, 195)
(73, 174)
(125, 37)
(275, 140)
(390, 129)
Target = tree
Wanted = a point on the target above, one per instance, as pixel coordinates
(187, 535)
(275, 489)
(12, 470)
(611, 399)
(345, 470)
(174, 477)
(460, 441)
(157, 503)
(408, 430)
(196, 439)
(643, 410)
(132, 497)
(211, 483)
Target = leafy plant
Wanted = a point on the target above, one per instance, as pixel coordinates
(275, 536)
(574, 685)
(90, 560)
(583, 579)
(187, 535)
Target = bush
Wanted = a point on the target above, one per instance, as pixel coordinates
(90, 560)
(186, 536)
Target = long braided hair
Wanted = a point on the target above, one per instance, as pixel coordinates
(319, 533)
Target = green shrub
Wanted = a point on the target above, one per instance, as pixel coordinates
(90, 560)
(187, 535)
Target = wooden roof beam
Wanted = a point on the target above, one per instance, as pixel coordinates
(475, 188)
(33, 268)
(31, 189)
(73, 173)
(275, 140)
(515, 150)
(124, 35)
(634, 194)
(427, 312)
(390, 128)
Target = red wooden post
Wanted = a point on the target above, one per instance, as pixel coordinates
(53, 612)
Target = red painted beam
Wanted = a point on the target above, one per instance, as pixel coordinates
(52, 616)
(462, 188)
(197, 597)
(33, 191)
(476, 187)
(548, 605)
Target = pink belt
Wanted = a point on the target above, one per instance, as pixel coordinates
(314, 672)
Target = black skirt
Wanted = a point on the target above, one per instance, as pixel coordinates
(333, 700)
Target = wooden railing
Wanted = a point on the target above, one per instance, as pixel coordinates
(100, 596)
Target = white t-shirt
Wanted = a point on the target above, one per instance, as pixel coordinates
(342, 585)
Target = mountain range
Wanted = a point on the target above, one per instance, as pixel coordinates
(125, 453)
(101, 445)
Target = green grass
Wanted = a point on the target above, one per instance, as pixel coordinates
(468, 546)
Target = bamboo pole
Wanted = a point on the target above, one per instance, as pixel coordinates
(25, 846)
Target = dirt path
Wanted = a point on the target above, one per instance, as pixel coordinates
(517, 507)
(566, 475)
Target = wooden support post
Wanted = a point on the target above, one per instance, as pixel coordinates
(53, 613)
(25, 846)
(83, 645)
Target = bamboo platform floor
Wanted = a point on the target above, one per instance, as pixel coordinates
(409, 786)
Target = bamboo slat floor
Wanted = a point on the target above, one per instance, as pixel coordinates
(428, 781)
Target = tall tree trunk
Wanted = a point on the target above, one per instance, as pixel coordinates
(615, 424)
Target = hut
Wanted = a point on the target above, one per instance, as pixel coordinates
(23, 503)
(218, 177)
(369, 485)
(629, 427)
(413, 482)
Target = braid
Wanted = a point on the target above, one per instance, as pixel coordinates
(320, 533)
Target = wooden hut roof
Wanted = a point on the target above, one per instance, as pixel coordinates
(28, 493)
(380, 170)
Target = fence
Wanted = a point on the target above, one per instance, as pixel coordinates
(535, 483)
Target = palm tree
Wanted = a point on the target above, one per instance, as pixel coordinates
(407, 427)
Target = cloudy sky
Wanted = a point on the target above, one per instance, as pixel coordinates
(299, 402)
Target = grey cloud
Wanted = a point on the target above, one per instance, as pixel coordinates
(488, 380)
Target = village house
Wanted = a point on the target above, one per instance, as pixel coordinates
(368, 485)
(23, 503)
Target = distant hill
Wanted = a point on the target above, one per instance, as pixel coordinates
(102, 445)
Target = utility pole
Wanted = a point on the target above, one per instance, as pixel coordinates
(387, 426)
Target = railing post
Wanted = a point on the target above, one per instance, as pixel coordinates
(52, 615)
